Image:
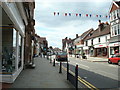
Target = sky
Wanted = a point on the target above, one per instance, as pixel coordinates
(55, 28)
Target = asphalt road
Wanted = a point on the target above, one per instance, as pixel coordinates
(99, 74)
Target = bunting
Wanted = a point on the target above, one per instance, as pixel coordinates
(80, 15)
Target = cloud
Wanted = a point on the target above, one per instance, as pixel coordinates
(55, 28)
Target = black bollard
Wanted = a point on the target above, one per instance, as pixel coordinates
(67, 69)
(60, 70)
(54, 62)
(76, 76)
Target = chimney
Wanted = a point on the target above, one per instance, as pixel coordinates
(76, 35)
(100, 26)
(99, 22)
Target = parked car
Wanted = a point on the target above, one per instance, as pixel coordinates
(61, 56)
(114, 59)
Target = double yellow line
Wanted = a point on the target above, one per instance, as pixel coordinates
(86, 83)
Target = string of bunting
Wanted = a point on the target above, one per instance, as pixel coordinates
(80, 15)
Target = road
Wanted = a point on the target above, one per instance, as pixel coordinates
(99, 74)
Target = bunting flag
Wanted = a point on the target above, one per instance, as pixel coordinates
(80, 15)
(58, 13)
(65, 14)
(69, 14)
(90, 15)
(54, 13)
(76, 14)
(86, 15)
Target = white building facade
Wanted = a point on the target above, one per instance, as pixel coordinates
(13, 33)
(114, 41)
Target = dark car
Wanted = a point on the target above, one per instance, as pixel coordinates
(61, 56)
(114, 59)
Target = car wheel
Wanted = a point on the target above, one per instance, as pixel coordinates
(109, 61)
(119, 63)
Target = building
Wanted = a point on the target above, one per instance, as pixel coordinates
(67, 45)
(79, 42)
(17, 31)
(13, 33)
(43, 45)
(114, 41)
(97, 41)
(29, 43)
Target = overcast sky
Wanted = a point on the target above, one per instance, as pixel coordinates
(55, 28)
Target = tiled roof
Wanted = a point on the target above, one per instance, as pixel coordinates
(97, 32)
(84, 35)
(41, 39)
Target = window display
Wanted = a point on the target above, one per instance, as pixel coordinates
(8, 50)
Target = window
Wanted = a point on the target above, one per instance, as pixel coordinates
(106, 38)
(86, 43)
(115, 30)
(20, 51)
(118, 29)
(92, 42)
(8, 50)
(98, 39)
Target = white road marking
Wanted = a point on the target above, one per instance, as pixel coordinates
(84, 65)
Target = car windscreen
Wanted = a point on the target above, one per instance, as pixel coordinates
(62, 53)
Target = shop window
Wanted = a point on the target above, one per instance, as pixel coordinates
(8, 50)
(20, 51)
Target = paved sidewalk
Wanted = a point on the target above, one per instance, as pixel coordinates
(93, 59)
(43, 76)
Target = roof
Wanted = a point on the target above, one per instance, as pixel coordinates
(84, 35)
(97, 32)
(41, 39)
(118, 3)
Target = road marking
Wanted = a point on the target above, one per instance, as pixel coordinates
(86, 83)
(84, 65)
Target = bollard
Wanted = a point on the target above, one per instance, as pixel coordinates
(76, 76)
(50, 60)
(67, 69)
(60, 70)
(54, 62)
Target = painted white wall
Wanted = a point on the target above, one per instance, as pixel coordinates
(103, 39)
(95, 40)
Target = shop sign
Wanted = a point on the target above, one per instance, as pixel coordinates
(85, 48)
(114, 44)
(100, 45)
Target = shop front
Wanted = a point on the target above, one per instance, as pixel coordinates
(114, 48)
(86, 50)
(101, 50)
(12, 43)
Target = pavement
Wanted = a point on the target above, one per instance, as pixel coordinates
(92, 59)
(44, 75)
